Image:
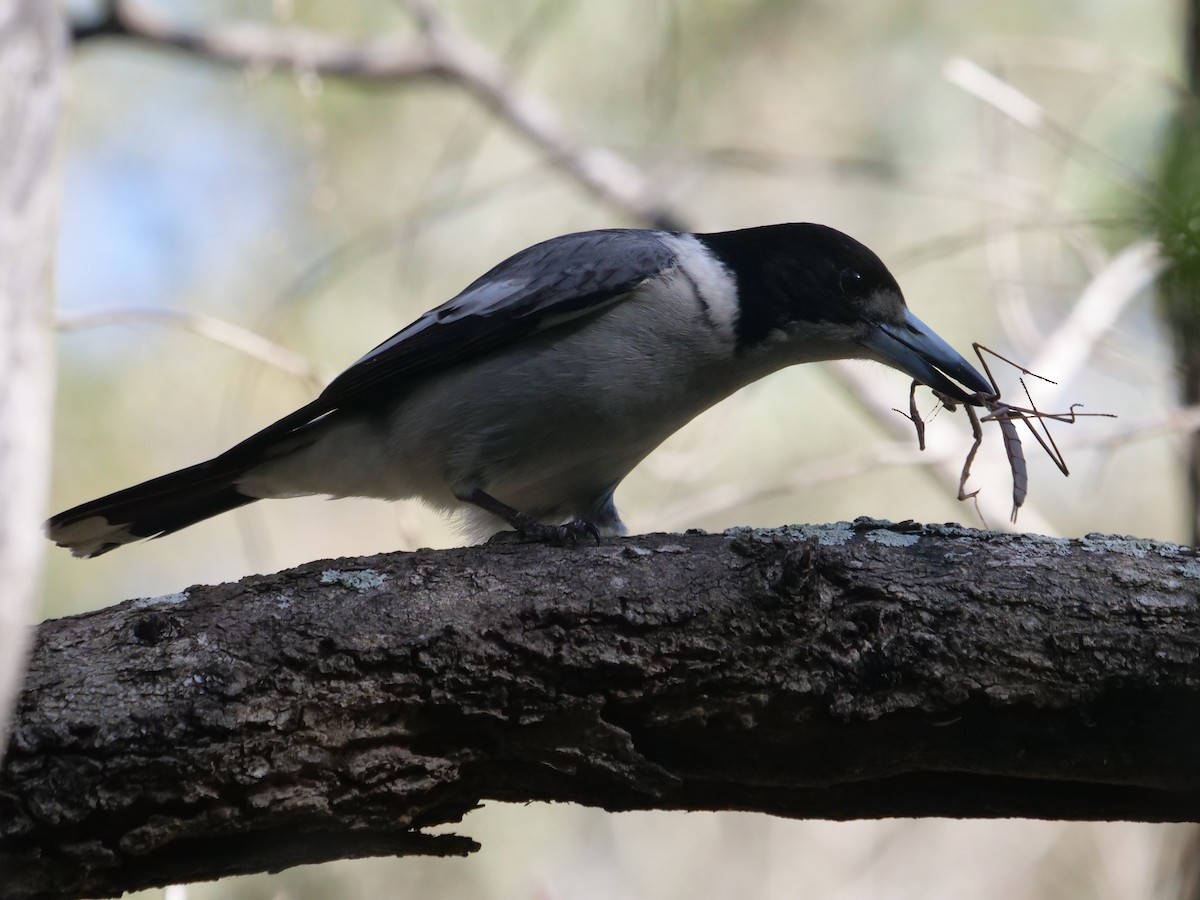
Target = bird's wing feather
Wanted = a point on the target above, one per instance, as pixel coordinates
(542, 287)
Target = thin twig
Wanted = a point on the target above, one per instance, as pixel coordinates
(1094, 314)
(1024, 110)
(441, 51)
(1182, 420)
(210, 327)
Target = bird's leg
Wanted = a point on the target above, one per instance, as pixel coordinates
(529, 528)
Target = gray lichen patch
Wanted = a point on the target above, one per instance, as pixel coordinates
(1036, 544)
(832, 535)
(164, 600)
(835, 534)
(889, 538)
(361, 580)
(670, 548)
(1132, 546)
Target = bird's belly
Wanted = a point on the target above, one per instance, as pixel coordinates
(547, 428)
(545, 470)
(540, 449)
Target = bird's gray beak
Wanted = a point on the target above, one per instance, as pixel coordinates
(913, 347)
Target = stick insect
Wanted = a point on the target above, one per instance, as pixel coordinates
(1006, 416)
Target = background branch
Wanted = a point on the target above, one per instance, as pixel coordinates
(845, 671)
(214, 329)
(441, 51)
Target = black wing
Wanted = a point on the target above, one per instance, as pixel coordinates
(541, 287)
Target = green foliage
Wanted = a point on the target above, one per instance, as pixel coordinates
(1177, 222)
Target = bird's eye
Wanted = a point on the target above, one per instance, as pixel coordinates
(853, 283)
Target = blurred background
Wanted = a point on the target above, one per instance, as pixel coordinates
(235, 231)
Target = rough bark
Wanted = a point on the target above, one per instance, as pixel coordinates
(32, 36)
(846, 671)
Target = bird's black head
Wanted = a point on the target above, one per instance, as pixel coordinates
(809, 292)
(794, 273)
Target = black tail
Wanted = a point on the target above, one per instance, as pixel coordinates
(150, 509)
(171, 502)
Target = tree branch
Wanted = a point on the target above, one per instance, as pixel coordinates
(215, 329)
(845, 671)
(441, 51)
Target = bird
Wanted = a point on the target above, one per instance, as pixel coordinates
(526, 399)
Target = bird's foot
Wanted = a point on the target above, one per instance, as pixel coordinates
(527, 527)
(530, 529)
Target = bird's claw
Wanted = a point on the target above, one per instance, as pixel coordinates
(578, 528)
(568, 533)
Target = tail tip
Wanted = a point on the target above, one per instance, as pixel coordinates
(90, 537)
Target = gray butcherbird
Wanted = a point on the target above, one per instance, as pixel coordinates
(528, 397)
